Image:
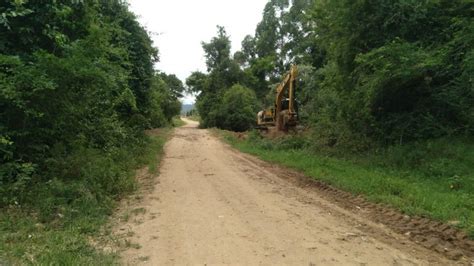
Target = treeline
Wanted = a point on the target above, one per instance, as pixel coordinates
(223, 101)
(371, 72)
(77, 91)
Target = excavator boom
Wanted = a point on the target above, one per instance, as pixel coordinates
(283, 115)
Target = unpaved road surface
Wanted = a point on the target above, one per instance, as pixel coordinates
(214, 205)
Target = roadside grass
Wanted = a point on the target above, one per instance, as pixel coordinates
(153, 158)
(432, 179)
(196, 118)
(61, 221)
(177, 122)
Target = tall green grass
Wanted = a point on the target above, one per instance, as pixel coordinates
(177, 122)
(195, 117)
(433, 178)
(57, 222)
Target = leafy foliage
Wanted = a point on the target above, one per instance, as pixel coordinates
(238, 108)
(373, 72)
(74, 76)
(391, 79)
(224, 72)
(77, 91)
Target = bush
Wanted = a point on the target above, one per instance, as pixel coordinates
(238, 110)
(77, 90)
(394, 72)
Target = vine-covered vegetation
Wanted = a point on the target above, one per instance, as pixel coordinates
(77, 91)
(217, 106)
(74, 77)
(371, 72)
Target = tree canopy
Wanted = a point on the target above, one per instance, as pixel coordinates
(371, 72)
(74, 75)
(223, 72)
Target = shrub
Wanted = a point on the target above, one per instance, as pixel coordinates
(238, 109)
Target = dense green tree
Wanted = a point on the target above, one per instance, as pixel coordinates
(370, 71)
(239, 108)
(284, 36)
(73, 76)
(175, 85)
(223, 72)
(390, 67)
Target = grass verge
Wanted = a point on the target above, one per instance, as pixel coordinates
(177, 122)
(196, 118)
(60, 221)
(432, 179)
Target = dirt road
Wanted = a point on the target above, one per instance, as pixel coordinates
(214, 205)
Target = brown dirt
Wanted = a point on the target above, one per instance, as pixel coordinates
(214, 205)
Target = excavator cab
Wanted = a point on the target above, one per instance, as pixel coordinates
(285, 104)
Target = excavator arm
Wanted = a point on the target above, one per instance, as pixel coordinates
(287, 84)
(283, 115)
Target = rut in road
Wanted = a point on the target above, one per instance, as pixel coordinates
(214, 205)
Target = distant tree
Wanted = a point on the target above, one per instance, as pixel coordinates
(175, 85)
(224, 72)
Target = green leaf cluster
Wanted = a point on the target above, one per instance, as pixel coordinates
(75, 77)
(222, 102)
(372, 72)
(238, 108)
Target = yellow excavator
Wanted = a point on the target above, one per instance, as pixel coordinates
(283, 116)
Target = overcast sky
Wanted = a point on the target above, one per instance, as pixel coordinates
(179, 26)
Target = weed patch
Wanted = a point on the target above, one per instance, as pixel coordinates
(55, 221)
(177, 122)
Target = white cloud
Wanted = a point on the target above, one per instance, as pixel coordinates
(181, 25)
